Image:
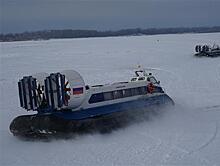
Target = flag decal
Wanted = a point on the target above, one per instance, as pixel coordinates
(77, 91)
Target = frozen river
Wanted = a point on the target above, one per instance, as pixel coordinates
(189, 134)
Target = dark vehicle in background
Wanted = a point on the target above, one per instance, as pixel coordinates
(208, 51)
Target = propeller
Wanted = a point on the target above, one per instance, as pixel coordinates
(40, 93)
(67, 92)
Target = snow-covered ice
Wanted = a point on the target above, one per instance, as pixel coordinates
(189, 134)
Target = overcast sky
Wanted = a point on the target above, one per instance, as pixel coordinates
(31, 15)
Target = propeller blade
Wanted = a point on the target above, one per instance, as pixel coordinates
(66, 83)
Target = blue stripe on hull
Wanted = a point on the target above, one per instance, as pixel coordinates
(119, 107)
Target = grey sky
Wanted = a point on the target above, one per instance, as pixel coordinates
(30, 15)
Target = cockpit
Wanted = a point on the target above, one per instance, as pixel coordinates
(142, 75)
(138, 79)
(152, 79)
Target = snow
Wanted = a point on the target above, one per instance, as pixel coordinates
(186, 135)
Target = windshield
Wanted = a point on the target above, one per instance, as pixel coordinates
(133, 79)
(153, 80)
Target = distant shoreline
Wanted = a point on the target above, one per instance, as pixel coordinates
(70, 33)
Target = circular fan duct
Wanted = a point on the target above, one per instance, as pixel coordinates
(64, 90)
(31, 91)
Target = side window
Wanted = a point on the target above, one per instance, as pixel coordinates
(126, 92)
(141, 78)
(108, 96)
(99, 97)
(153, 80)
(95, 98)
(133, 79)
(158, 89)
(117, 94)
(134, 91)
(139, 90)
(143, 90)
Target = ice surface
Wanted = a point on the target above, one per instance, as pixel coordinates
(186, 135)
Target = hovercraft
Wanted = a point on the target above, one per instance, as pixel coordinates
(207, 51)
(63, 103)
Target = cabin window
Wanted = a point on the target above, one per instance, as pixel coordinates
(133, 79)
(158, 89)
(95, 98)
(99, 97)
(139, 91)
(153, 80)
(126, 92)
(143, 90)
(108, 96)
(134, 91)
(141, 78)
(117, 94)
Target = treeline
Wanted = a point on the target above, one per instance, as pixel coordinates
(58, 34)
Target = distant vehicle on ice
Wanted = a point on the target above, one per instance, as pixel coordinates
(63, 98)
(208, 51)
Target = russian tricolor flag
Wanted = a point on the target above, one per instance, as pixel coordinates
(77, 91)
